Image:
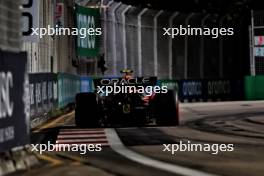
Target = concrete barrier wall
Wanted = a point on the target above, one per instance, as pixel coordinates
(49, 91)
(43, 93)
(207, 89)
(68, 87)
(254, 87)
(56, 91)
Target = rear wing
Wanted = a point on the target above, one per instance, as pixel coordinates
(138, 81)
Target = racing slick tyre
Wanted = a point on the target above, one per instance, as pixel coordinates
(86, 110)
(165, 109)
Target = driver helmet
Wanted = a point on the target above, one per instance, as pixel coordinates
(128, 74)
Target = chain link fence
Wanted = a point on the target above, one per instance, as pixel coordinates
(257, 37)
(10, 16)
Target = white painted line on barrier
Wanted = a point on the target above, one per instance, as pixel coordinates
(116, 144)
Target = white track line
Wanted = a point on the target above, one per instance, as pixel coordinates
(116, 144)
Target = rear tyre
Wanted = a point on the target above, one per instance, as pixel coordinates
(87, 110)
(165, 109)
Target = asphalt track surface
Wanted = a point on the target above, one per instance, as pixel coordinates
(238, 123)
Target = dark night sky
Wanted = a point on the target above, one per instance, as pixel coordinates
(213, 6)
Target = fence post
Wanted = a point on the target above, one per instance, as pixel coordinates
(114, 59)
(252, 59)
(139, 42)
(202, 49)
(186, 48)
(221, 73)
(105, 28)
(173, 16)
(124, 34)
(155, 43)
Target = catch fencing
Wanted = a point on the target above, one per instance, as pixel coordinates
(10, 17)
(133, 38)
(257, 43)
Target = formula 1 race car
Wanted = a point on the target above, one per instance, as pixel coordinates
(127, 102)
